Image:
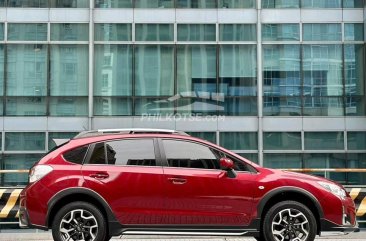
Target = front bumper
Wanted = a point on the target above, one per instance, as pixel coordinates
(330, 228)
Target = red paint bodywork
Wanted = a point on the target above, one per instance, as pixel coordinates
(151, 195)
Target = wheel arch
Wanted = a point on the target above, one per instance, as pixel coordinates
(294, 194)
(80, 194)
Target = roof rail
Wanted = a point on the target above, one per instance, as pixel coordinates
(128, 131)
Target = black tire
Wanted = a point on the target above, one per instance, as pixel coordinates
(107, 238)
(261, 238)
(289, 219)
(80, 219)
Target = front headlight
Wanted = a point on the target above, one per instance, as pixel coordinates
(336, 190)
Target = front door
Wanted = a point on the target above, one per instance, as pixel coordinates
(198, 192)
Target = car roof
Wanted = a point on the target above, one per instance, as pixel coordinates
(107, 132)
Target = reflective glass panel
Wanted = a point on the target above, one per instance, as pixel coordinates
(238, 70)
(154, 32)
(152, 107)
(154, 70)
(355, 106)
(26, 106)
(238, 106)
(356, 160)
(236, 3)
(280, 3)
(353, 31)
(354, 61)
(282, 106)
(196, 32)
(26, 70)
(27, 32)
(154, 3)
(238, 32)
(239, 140)
(202, 104)
(196, 3)
(112, 32)
(208, 136)
(68, 106)
(281, 70)
(281, 32)
(196, 70)
(2, 64)
(28, 3)
(322, 32)
(69, 3)
(113, 3)
(321, 3)
(324, 141)
(282, 160)
(356, 140)
(58, 135)
(112, 106)
(1, 31)
(25, 141)
(282, 140)
(18, 162)
(353, 3)
(112, 70)
(69, 70)
(323, 106)
(331, 160)
(69, 32)
(322, 70)
(2, 3)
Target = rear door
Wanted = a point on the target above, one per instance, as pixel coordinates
(128, 175)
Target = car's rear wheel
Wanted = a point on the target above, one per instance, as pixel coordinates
(289, 221)
(79, 221)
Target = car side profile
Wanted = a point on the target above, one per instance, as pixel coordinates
(148, 181)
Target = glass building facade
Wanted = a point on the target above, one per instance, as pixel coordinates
(280, 82)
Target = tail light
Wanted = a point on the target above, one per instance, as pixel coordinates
(39, 171)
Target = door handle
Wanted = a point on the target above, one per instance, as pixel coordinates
(177, 181)
(99, 175)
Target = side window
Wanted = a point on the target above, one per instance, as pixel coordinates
(190, 155)
(131, 152)
(98, 156)
(76, 155)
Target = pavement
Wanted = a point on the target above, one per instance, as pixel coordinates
(30, 235)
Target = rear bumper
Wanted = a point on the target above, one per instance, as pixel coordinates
(329, 228)
(24, 220)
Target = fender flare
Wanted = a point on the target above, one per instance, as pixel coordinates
(292, 189)
(84, 191)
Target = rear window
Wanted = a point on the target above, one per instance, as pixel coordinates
(76, 155)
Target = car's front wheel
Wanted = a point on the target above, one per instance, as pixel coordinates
(289, 221)
(79, 221)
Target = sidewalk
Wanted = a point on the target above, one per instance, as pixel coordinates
(27, 235)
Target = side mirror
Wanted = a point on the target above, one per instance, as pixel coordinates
(228, 165)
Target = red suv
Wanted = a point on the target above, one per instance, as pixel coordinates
(147, 181)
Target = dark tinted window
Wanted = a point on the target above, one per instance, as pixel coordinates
(76, 155)
(190, 155)
(131, 152)
(98, 156)
(194, 155)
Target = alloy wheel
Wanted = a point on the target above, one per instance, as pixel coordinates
(290, 225)
(78, 225)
